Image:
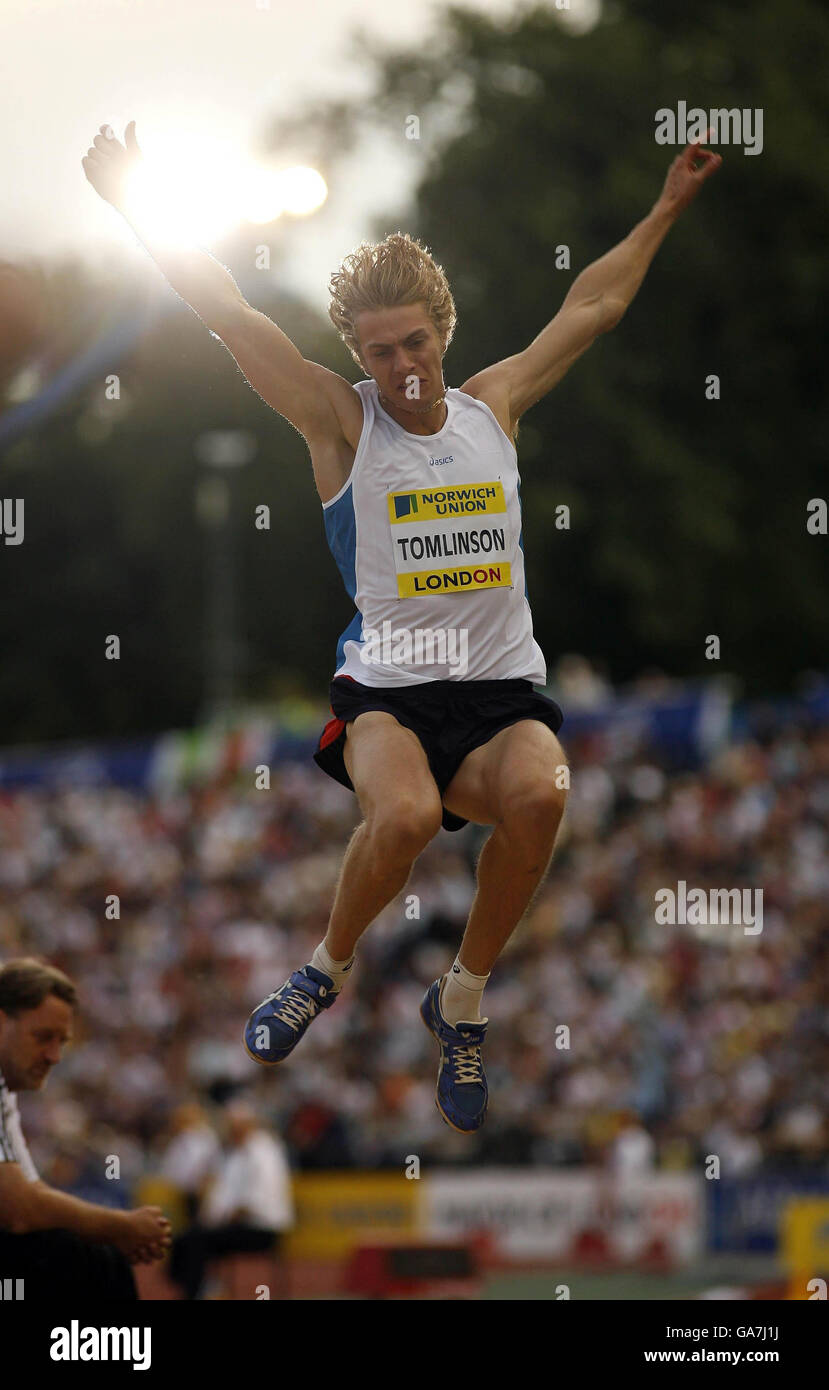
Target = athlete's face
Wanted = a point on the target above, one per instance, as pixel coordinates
(401, 349)
(31, 1043)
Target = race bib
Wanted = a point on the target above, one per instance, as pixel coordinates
(450, 540)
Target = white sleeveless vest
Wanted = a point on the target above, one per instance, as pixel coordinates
(426, 533)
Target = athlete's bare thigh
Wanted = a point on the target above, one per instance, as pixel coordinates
(517, 764)
(389, 769)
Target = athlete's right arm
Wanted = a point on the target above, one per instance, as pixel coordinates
(319, 403)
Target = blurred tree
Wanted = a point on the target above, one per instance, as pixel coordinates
(113, 542)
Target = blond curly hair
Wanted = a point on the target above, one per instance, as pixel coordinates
(396, 271)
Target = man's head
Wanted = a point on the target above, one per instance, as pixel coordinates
(188, 1115)
(37, 1004)
(241, 1120)
(393, 309)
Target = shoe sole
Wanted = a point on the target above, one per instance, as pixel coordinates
(441, 1112)
(261, 1060)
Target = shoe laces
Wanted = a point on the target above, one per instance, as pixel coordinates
(296, 1009)
(468, 1064)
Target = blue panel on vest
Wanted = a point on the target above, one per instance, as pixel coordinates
(341, 534)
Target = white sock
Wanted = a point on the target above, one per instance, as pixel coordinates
(461, 994)
(339, 970)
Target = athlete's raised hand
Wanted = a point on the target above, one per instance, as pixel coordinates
(685, 180)
(108, 164)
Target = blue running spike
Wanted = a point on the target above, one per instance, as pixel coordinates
(461, 1094)
(276, 1026)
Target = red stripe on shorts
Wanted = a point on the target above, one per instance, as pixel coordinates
(334, 727)
(331, 732)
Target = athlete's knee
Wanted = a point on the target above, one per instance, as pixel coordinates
(534, 810)
(399, 831)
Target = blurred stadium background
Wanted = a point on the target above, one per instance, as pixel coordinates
(138, 777)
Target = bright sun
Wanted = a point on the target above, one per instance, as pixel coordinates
(200, 194)
(269, 192)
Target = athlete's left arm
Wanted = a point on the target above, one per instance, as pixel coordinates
(597, 300)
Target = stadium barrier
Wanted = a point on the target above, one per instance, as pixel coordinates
(338, 1211)
(804, 1243)
(379, 1234)
(523, 1216)
(586, 1217)
(744, 1214)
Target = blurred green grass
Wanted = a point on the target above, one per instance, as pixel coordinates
(715, 1272)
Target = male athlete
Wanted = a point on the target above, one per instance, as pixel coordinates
(419, 488)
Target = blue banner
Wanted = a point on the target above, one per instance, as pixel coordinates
(744, 1213)
(682, 730)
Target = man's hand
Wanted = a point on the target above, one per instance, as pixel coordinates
(685, 180)
(145, 1235)
(108, 164)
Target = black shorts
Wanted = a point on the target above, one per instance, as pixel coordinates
(449, 717)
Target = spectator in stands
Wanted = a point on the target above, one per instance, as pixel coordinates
(632, 1151)
(248, 1207)
(191, 1154)
(58, 1245)
(220, 886)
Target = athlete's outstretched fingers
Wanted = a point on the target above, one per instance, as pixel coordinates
(712, 162)
(694, 152)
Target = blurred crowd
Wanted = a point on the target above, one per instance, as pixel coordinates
(613, 1039)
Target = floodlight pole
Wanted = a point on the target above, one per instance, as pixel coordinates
(221, 451)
